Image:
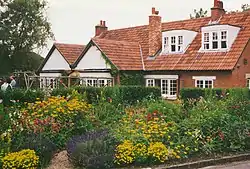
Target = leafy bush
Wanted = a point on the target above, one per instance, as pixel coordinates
(196, 93)
(92, 150)
(25, 159)
(21, 96)
(118, 94)
(42, 145)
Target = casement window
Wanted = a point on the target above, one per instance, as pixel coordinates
(224, 39)
(180, 43)
(48, 83)
(173, 44)
(206, 40)
(204, 81)
(96, 82)
(150, 82)
(215, 41)
(168, 86)
(165, 43)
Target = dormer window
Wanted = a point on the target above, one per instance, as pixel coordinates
(218, 37)
(176, 41)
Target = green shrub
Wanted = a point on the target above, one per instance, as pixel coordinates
(21, 96)
(25, 159)
(43, 146)
(119, 94)
(196, 93)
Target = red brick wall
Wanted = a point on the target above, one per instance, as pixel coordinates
(241, 69)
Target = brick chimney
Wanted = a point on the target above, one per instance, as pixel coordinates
(155, 33)
(217, 11)
(100, 28)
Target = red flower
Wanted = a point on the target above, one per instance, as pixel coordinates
(221, 135)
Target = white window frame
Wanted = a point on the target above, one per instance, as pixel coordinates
(204, 79)
(168, 94)
(211, 38)
(163, 79)
(180, 44)
(224, 38)
(95, 82)
(150, 82)
(206, 40)
(173, 41)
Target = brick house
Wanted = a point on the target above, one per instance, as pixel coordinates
(209, 52)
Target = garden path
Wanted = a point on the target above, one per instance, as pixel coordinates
(236, 165)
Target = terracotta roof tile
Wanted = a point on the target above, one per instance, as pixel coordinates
(70, 51)
(190, 60)
(123, 54)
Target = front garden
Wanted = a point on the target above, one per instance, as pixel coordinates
(121, 126)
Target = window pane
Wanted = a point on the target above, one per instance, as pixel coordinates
(206, 46)
(248, 83)
(164, 87)
(206, 37)
(173, 87)
(215, 36)
(224, 35)
(101, 82)
(223, 44)
(150, 82)
(215, 45)
(208, 84)
(173, 40)
(199, 83)
(173, 48)
(180, 40)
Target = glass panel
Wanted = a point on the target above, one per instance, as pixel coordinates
(223, 44)
(150, 82)
(164, 87)
(173, 87)
(101, 82)
(199, 83)
(215, 45)
(208, 84)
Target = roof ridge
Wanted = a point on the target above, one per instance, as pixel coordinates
(59, 43)
(112, 40)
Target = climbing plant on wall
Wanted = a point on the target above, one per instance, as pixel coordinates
(131, 78)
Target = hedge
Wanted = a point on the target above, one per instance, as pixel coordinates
(118, 94)
(195, 93)
(21, 96)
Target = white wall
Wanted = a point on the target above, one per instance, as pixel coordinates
(50, 74)
(188, 37)
(96, 75)
(93, 59)
(232, 33)
(56, 62)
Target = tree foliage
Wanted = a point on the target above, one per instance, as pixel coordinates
(199, 13)
(23, 28)
(245, 7)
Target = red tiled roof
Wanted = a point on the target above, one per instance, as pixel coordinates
(123, 54)
(191, 59)
(70, 51)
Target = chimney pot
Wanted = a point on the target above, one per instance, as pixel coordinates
(153, 10)
(217, 11)
(99, 29)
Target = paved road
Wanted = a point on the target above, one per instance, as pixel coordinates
(238, 165)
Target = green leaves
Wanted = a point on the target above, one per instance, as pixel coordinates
(23, 28)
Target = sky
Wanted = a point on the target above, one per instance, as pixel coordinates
(73, 21)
